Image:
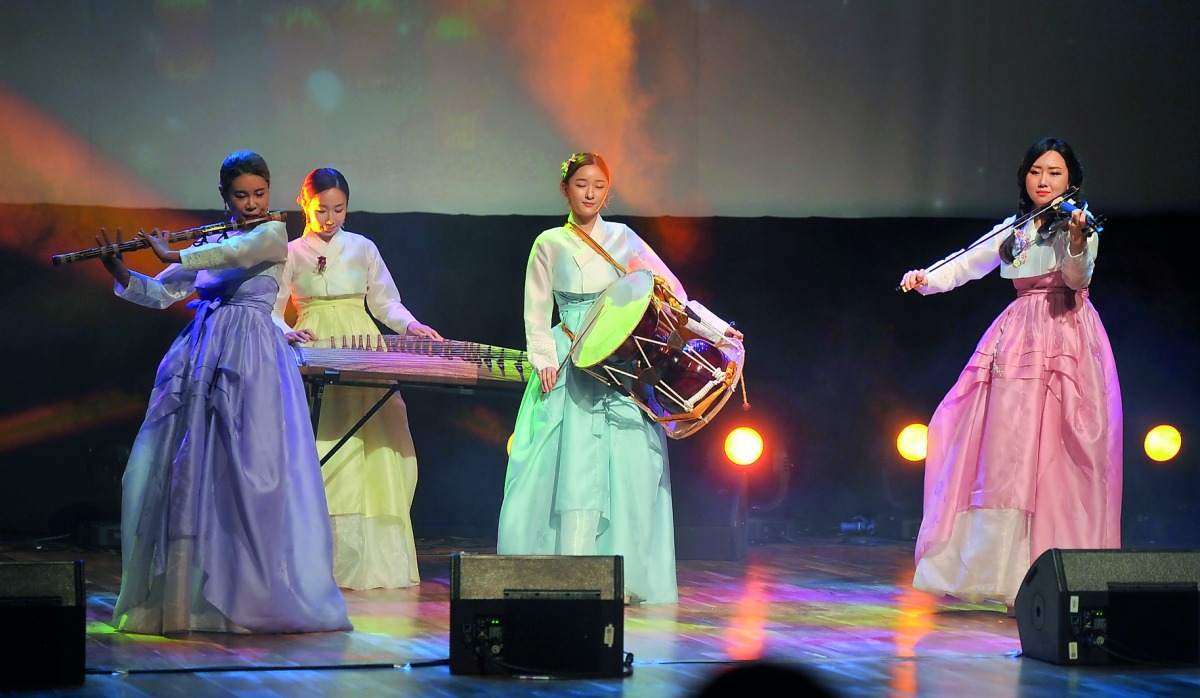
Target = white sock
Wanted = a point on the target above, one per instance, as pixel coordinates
(577, 531)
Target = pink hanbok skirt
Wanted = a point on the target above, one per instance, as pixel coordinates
(1024, 451)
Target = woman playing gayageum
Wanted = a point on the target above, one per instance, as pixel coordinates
(333, 278)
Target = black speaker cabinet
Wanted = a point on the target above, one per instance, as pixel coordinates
(1111, 607)
(710, 516)
(537, 615)
(43, 615)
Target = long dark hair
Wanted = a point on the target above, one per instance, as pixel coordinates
(1024, 203)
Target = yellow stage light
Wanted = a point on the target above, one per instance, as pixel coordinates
(1163, 442)
(913, 442)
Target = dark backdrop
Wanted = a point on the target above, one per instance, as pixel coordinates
(837, 360)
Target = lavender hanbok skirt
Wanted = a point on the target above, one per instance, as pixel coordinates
(224, 525)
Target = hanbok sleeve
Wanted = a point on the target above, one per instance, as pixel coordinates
(285, 292)
(539, 309)
(383, 298)
(701, 320)
(644, 257)
(974, 263)
(1077, 269)
(171, 285)
(263, 243)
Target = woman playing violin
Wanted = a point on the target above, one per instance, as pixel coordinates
(1024, 452)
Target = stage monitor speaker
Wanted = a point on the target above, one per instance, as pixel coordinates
(710, 516)
(1111, 607)
(538, 615)
(43, 614)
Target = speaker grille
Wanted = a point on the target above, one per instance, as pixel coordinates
(489, 576)
(59, 583)
(1095, 570)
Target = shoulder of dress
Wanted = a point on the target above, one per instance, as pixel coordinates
(613, 228)
(552, 235)
(1008, 221)
(275, 229)
(361, 240)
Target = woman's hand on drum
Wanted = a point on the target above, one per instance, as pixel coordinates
(301, 336)
(730, 332)
(548, 376)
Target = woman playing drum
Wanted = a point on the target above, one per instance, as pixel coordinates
(588, 471)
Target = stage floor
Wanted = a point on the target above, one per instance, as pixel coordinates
(839, 611)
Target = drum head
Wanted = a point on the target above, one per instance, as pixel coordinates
(612, 318)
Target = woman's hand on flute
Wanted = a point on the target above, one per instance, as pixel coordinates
(110, 256)
(157, 240)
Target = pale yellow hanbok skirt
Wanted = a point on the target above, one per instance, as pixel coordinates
(371, 479)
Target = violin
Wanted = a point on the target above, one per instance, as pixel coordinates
(1067, 206)
(1061, 207)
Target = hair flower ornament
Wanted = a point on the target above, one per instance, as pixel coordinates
(576, 157)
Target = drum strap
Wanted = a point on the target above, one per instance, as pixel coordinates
(574, 228)
(661, 285)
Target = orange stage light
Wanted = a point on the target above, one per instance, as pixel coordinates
(743, 446)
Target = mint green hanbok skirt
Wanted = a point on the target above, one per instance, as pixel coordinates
(586, 446)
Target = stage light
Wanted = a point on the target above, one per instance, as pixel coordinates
(1163, 442)
(913, 442)
(743, 446)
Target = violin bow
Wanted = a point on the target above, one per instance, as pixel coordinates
(1058, 201)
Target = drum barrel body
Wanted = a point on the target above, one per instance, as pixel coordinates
(635, 339)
